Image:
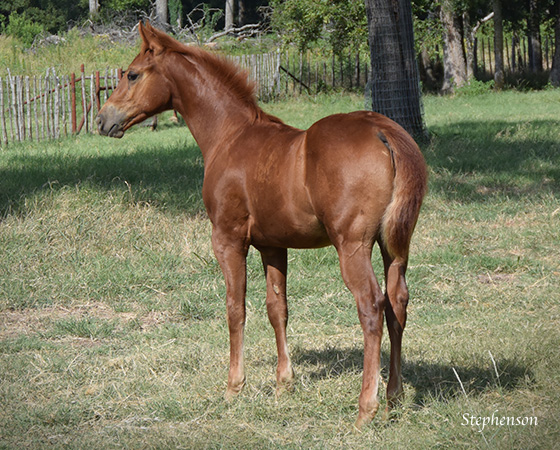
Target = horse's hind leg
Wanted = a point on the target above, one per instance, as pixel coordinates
(395, 314)
(275, 262)
(357, 272)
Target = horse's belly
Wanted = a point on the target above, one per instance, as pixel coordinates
(277, 230)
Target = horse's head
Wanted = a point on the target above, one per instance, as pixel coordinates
(144, 89)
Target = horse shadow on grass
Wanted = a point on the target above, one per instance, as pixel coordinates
(430, 380)
(169, 176)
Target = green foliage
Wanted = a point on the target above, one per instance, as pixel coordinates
(175, 11)
(427, 27)
(210, 18)
(53, 15)
(126, 5)
(22, 28)
(341, 23)
(475, 87)
(74, 49)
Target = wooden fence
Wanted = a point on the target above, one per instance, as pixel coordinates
(516, 54)
(54, 106)
(264, 69)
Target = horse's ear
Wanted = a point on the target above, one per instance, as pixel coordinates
(142, 33)
(150, 39)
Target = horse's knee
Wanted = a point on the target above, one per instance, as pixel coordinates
(370, 312)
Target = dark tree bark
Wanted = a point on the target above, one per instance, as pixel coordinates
(470, 38)
(454, 63)
(395, 82)
(498, 45)
(535, 49)
(555, 71)
(241, 13)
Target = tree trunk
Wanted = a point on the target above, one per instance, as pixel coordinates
(555, 71)
(454, 64)
(498, 45)
(229, 14)
(241, 13)
(426, 70)
(534, 35)
(161, 12)
(395, 83)
(93, 7)
(470, 39)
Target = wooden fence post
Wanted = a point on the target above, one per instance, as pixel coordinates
(84, 106)
(35, 114)
(28, 103)
(44, 106)
(97, 90)
(19, 108)
(73, 100)
(2, 117)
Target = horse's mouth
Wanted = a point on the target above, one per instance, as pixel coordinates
(116, 131)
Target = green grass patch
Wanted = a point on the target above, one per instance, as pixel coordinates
(112, 315)
(95, 52)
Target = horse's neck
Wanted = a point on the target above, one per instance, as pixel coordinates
(211, 111)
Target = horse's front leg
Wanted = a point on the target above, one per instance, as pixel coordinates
(275, 262)
(232, 256)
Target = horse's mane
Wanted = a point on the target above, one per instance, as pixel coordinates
(230, 74)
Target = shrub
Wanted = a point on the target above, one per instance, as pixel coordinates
(22, 28)
(475, 87)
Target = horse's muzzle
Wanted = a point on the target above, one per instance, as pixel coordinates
(109, 123)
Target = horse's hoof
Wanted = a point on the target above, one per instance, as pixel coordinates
(284, 384)
(232, 392)
(283, 389)
(365, 417)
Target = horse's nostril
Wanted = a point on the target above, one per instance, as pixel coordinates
(100, 122)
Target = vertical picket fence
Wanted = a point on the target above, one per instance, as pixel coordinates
(264, 70)
(52, 106)
(516, 54)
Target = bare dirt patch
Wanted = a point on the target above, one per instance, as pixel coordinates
(30, 321)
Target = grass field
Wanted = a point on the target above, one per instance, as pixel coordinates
(112, 319)
(96, 53)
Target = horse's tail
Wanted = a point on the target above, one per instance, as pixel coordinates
(409, 188)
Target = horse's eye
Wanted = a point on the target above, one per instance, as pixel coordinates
(132, 76)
